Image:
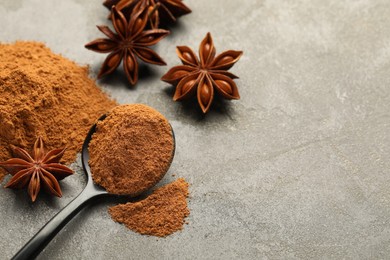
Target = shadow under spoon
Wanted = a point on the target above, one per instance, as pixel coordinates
(91, 191)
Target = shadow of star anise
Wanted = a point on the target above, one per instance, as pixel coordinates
(160, 11)
(38, 169)
(201, 76)
(129, 41)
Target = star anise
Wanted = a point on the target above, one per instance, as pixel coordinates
(38, 169)
(129, 41)
(164, 11)
(202, 76)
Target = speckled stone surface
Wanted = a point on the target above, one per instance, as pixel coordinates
(296, 169)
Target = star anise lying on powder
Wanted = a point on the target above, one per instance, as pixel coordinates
(36, 170)
(203, 76)
(129, 41)
(164, 11)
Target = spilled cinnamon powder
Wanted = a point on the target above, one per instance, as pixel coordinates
(44, 94)
(160, 214)
(131, 149)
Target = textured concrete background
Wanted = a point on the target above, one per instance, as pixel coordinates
(297, 169)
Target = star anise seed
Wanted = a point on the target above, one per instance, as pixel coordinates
(36, 170)
(129, 41)
(160, 11)
(203, 76)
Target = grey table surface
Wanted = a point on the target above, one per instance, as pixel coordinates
(296, 169)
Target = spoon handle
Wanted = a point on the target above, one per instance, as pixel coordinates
(36, 244)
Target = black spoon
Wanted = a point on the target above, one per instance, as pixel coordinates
(91, 191)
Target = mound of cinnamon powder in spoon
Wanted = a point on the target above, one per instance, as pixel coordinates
(131, 149)
(44, 94)
(160, 214)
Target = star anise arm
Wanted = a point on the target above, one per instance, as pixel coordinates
(130, 66)
(102, 45)
(225, 60)
(59, 171)
(187, 86)
(22, 154)
(138, 21)
(206, 50)
(38, 149)
(224, 72)
(175, 74)
(110, 63)
(120, 4)
(34, 186)
(50, 183)
(187, 56)
(151, 37)
(108, 32)
(168, 13)
(171, 9)
(176, 7)
(205, 93)
(20, 179)
(154, 15)
(119, 22)
(148, 55)
(54, 156)
(109, 3)
(14, 165)
(225, 86)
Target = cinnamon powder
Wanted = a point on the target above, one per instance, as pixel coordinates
(131, 149)
(160, 214)
(44, 94)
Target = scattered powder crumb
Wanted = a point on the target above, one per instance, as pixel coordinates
(160, 214)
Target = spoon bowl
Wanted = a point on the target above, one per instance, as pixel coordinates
(91, 191)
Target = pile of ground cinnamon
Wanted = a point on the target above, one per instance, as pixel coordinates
(160, 214)
(44, 94)
(131, 149)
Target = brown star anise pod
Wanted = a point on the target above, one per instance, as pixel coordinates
(38, 169)
(129, 41)
(202, 76)
(164, 11)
